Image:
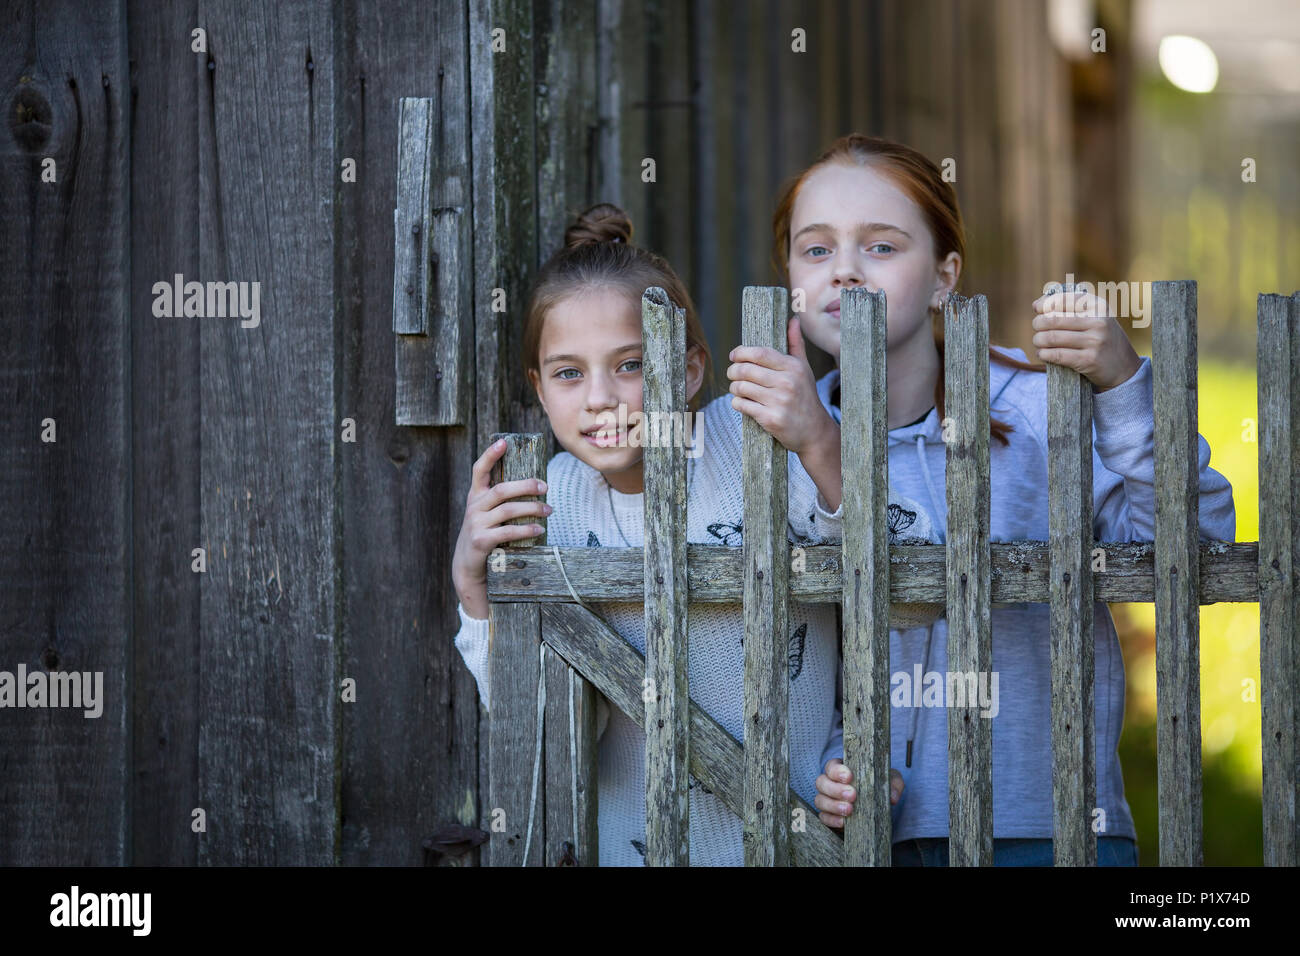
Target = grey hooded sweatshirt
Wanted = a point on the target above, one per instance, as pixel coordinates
(1123, 509)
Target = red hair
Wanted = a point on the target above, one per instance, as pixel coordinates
(921, 181)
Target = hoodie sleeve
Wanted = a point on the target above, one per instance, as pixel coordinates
(810, 517)
(473, 641)
(1124, 494)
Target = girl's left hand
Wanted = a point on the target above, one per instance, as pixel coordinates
(1074, 329)
(835, 798)
(779, 392)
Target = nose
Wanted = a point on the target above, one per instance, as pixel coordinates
(847, 271)
(600, 392)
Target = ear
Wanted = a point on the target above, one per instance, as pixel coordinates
(946, 275)
(694, 370)
(536, 381)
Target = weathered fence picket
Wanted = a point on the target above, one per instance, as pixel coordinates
(532, 602)
(667, 693)
(570, 754)
(1069, 475)
(1177, 599)
(866, 573)
(1279, 547)
(767, 612)
(543, 723)
(970, 635)
(515, 666)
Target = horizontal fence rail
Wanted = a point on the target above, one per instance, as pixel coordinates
(1228, 571)
(533, 604)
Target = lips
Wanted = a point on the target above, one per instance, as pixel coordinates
(603, 438)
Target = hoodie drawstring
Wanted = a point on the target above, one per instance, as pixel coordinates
(940, 527)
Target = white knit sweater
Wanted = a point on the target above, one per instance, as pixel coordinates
(715, 508)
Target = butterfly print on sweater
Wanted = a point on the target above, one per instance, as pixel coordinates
(728, 533)
(797, 641)
(592, 540)
(639, 847)
(900, 519)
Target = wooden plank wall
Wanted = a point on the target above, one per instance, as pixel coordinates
(324, 558)
(715, 93)
(269, 439)
(409, 745)
(65, 558)
(168, 80)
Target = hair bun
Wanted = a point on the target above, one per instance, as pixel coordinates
(603, 222)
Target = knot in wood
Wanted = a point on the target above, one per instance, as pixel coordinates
(31, 120)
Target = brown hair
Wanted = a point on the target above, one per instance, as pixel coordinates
(598, 252)
(922, 182)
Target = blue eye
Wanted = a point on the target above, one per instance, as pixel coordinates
(883, 245)
(636, 362)
(811, 249)
(564, 378)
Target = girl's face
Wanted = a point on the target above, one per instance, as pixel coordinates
(850, 227)
(590, 366)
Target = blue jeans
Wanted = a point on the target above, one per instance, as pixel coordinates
(933, 851)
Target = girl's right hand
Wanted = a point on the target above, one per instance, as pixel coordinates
(487, 508)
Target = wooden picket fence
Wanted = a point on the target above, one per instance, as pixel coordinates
(550, 654)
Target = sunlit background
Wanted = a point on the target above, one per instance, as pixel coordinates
(1216, 85)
